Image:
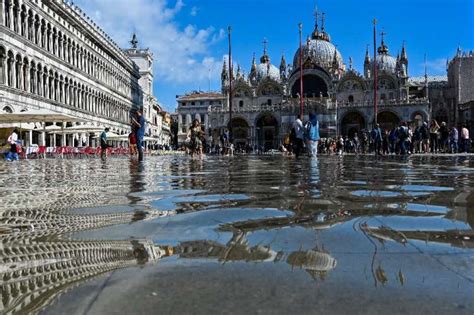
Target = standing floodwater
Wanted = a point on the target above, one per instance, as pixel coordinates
(238, 235)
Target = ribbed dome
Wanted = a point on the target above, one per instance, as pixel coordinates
(386, 63)
(321, 52)
(267, 69)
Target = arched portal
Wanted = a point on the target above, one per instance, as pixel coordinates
(417, 119)
(313, 86)
(352, 122)
(267, 132)
(441, 116)
(240, 131)
(388, 120)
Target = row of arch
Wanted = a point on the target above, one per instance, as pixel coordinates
(354, 121)
(33, 77)
(42, 33)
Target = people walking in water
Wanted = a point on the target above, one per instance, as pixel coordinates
(312, 134)
(132, 140)
(195, 134)
(434, 136)
(453, 140)
(12, 155)
(403, 135)
(299, 137)
(139, 123)
(103, 143)
(377, 138)
(465, 140)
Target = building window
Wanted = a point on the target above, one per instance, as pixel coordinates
(351, 99)
(183, 104)
(241, 104)
(201, 103)
(383, 97)
(7, 109)
(269, 102)
(193, 103)
(211, 103)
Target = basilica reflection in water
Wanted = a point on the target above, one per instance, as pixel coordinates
(391, 204)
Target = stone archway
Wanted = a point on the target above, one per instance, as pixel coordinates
(388, 120)
(240, 131)
(313, 86)
(267, 131)
(418, 118)
(351, 123)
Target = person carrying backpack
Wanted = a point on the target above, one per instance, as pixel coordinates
(312, 134)
(403, 135)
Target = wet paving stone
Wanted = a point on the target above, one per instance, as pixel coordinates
(269, 234)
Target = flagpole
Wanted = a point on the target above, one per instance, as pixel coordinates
(375, 73)
(300, 26)
(229, 29)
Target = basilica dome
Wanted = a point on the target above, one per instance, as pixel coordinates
(267, 70)
(385, 62)
(320, 51)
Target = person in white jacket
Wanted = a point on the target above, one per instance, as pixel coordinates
(12, 140)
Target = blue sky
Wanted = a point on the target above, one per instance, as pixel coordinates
(189, 40)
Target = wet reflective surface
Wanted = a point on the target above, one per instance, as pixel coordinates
(238, 235)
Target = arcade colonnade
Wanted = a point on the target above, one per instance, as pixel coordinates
(48, 59)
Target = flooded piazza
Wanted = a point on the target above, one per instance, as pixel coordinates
(245, 234)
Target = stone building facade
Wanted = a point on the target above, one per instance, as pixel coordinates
(52, 56)
(197, 105)
(265, 102)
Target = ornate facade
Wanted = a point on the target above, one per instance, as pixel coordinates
(53, 56)
(265, 102)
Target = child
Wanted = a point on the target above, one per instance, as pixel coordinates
(132, 138)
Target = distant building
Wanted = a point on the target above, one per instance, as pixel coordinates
(197, 105)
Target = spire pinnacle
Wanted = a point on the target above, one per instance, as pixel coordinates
(323, 20)
(265, 58)
(134, 41)
(367, 56)
(383, 49)
(316, 15)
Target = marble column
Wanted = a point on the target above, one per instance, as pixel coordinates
(43, 138)
(10, 13)
(2, 13)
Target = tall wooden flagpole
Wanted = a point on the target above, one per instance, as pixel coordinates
(300, 26)
(375, 73)
(229, 29)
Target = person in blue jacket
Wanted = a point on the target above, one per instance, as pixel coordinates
(140, 124)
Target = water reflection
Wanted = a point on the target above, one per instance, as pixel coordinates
(278, 212)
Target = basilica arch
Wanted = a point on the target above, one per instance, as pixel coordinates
(269, 87)
(240, 131)
(388, 120)
(353, 122)
(267, 131)
(316, 82)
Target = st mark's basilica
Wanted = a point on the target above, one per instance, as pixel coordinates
(265, 102)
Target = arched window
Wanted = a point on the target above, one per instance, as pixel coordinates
(241, 104)
(7, 109)
(351, 99)
(269, 102)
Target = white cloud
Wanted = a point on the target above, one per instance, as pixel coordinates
(435, 67)
(194, 11)
(181, 54)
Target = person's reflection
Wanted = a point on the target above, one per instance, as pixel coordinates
(137, 181)
(314, 171)
(195, 171)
